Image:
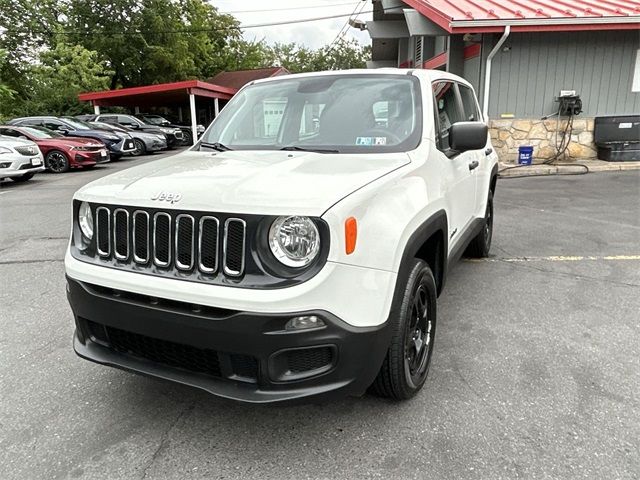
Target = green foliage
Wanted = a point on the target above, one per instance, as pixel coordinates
(63, 73)
(54, 49)
(343, 55)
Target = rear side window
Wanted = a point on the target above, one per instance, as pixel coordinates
(9, 132)
(448, 109)
(469, 104)
(52, 124)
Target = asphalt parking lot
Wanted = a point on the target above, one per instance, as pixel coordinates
(536, 372)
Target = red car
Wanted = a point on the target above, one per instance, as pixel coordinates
(61, 153)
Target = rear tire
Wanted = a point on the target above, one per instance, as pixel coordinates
(57, 161)
(481, 244)
(406, 365)
(23, 178)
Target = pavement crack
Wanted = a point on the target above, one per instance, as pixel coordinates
(26, 262)
(569, 275)
(165, 437)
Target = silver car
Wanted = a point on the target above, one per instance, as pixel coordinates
(144, 142)
(19, 159)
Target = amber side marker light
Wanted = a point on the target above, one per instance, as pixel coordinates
(350, 234)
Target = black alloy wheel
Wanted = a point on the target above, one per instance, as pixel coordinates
(57, 162)
(405, 368)
(140, 148)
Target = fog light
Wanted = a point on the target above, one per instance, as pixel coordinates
(304, 322)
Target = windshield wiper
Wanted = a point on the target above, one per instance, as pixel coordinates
(216, 146)
(303, 149)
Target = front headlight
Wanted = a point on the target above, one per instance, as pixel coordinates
(294, 241)
(85, 220)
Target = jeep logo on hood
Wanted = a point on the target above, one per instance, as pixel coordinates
(167, 197)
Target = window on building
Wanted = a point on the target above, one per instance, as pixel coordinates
(449, 112)
(469, 105)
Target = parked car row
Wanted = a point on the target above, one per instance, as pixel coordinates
(62, 143)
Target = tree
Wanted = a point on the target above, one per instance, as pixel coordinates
(63, 73)
(343, 55)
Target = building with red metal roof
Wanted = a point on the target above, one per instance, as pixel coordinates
(520, 55)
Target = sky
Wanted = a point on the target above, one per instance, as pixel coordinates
(311, 34)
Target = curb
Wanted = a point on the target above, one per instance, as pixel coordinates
(577, 168)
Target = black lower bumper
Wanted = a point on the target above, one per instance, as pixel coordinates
(243, 356)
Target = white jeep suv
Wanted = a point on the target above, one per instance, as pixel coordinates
(298, 248)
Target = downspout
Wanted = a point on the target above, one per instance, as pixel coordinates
(487, 72)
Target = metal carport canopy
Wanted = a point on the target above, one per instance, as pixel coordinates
(163, 94)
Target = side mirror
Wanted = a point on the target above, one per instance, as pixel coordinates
(465, 136)
(63, 131)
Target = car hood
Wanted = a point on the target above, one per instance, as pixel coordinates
(258, 182)
(72, 142)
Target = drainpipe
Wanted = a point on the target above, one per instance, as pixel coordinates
(487, 72)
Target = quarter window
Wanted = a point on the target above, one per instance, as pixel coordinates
(469, 104)
(448, 109)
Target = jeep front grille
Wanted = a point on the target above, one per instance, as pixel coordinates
(171, 240)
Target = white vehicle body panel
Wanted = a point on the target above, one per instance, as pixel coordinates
(390, 195)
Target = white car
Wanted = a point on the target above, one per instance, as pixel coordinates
(20, 159)
(298, 248)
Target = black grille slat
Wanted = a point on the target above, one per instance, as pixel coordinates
(121, 234)
(162, 239)
(103, 231)
(234, 242)
(185, 242)
(208, 244)
(141, 236)
(196, 244)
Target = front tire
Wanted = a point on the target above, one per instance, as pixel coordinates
(141, 148)
(57, 161)
(481, 244)
(23, 178)
(406, 365)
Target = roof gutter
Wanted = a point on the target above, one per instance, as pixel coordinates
(546, 22)
(487, 72)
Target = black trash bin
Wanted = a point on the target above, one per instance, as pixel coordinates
(618, 138)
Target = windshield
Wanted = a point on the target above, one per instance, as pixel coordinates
(343, 113)
(77, 124)
(41, 132)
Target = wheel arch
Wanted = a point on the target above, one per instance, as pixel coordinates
(429, 242)
(493, 179)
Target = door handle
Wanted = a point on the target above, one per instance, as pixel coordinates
(488, 151)
(473, 165)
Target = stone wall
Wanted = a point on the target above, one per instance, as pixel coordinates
(509, 134)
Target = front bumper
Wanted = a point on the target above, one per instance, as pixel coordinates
(16, 165)
(83, 158)
(234, 354)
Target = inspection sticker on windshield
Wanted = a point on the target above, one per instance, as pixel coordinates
(371, 141)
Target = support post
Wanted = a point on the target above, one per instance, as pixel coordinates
(180, 114)
(96, 109)
(137, 110)
(194, 120)
(216, 106)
